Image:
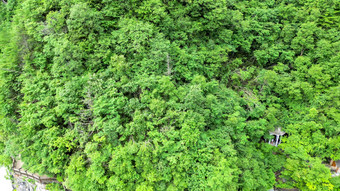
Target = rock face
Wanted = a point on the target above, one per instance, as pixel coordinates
(24, 185)
(27, 181)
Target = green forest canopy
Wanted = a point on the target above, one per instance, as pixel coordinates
(171, 95)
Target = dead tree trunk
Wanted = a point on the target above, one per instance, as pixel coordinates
(168, 62)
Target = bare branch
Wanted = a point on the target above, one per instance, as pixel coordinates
(302, 52)
(4, 1)
(9, 70)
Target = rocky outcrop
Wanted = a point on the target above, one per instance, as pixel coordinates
(27, 181)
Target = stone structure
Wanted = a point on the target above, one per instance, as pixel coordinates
(278, 133)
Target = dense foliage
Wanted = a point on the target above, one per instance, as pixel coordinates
(171, 95)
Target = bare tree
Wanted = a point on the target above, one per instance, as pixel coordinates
(168, 62)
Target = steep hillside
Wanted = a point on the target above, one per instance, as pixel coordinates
(171, 95)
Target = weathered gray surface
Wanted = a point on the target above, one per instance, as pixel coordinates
(23, 185)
